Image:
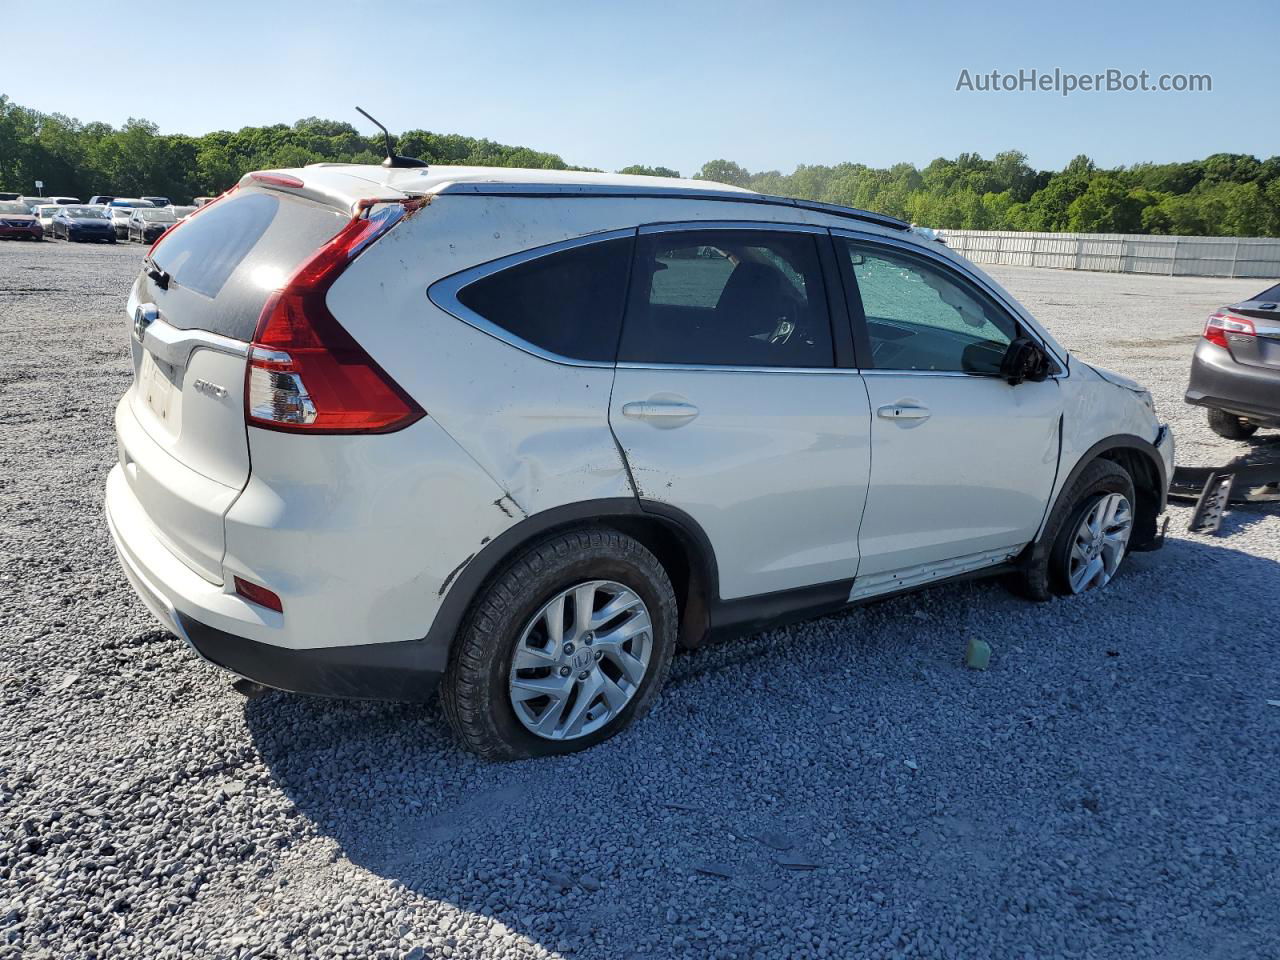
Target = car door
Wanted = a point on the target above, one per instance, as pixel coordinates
(963, 463)
(735, 402)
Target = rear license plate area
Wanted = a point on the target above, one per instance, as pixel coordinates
(156, 385)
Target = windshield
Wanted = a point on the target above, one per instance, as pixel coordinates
(94, 212)
(13, 206)
(46, 211)
(157, 216)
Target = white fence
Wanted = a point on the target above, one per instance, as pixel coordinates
(1122, 253)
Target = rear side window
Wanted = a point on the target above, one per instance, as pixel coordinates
(568, 303)
(750, 298)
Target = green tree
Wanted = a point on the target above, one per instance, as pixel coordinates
(723, 171)
(639, 169)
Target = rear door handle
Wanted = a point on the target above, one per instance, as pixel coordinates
(904, 411)
(660, 413)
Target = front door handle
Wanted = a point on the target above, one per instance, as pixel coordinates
(660, 413)
(904, 411)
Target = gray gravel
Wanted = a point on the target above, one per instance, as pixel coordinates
(1110, 787)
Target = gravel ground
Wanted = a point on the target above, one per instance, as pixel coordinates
(845, 788)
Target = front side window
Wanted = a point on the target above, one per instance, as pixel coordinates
(727, 298)
(923, 317)
(568, 303)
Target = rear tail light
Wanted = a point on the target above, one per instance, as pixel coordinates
(1219, 325)
(306, 373)
(258, 594)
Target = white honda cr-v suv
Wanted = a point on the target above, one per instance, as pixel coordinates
(517, 434)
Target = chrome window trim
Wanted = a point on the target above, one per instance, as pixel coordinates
(736, 368)
(443, 293)
(920, 250)
(931, 373)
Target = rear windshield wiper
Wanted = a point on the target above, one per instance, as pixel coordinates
(159, 276)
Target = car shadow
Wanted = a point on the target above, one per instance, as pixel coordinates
(806, 732)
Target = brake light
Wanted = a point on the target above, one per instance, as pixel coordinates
(258, 594)
(306, 373)
(198, 210)
(276, 179)
(1219, 325)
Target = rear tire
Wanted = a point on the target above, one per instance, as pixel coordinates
(1229, 426)
(1046, 569)
(477, 693)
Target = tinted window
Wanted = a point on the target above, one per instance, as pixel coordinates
(203, 253)
(923, 317)
(728, 297)
(569, 303)
(224, 264)
(1271, 293)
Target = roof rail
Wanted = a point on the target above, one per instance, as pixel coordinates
(496, 189)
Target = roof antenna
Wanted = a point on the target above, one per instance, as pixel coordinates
(393, 159)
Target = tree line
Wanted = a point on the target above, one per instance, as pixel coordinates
(1224, 194)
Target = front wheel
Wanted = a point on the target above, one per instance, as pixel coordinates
(567, 646)
(1086, 538)
(1229, 426)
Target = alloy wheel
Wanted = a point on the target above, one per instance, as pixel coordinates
(1100, 542)
(580, 660)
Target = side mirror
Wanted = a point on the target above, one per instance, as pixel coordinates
(1024, 360)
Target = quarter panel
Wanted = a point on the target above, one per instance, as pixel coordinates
(361, 536)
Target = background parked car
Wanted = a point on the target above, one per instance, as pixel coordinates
(33, 202)
(181, 213)
(84, 222)
(201, 201)
(9, 196)
(64, 201)
(99, 199)
(45, 212)
(17, 221)
(147, 223)
(1235, 371)
(121, 209)
(159, 201)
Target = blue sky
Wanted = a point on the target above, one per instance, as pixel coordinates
(606, 84)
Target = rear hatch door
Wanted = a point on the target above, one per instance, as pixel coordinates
(193, 311)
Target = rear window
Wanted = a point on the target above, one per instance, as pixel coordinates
(223, 264)
(569, 303)
(1271, 293)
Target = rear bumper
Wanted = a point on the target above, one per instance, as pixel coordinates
(371, 671)
(214, 623)
(1219, 382)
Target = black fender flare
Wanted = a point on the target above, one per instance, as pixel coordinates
(1110, 445)
(460, 592)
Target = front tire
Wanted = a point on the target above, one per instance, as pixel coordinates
(1229, 426)
(1086, 538)
(568, 645)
